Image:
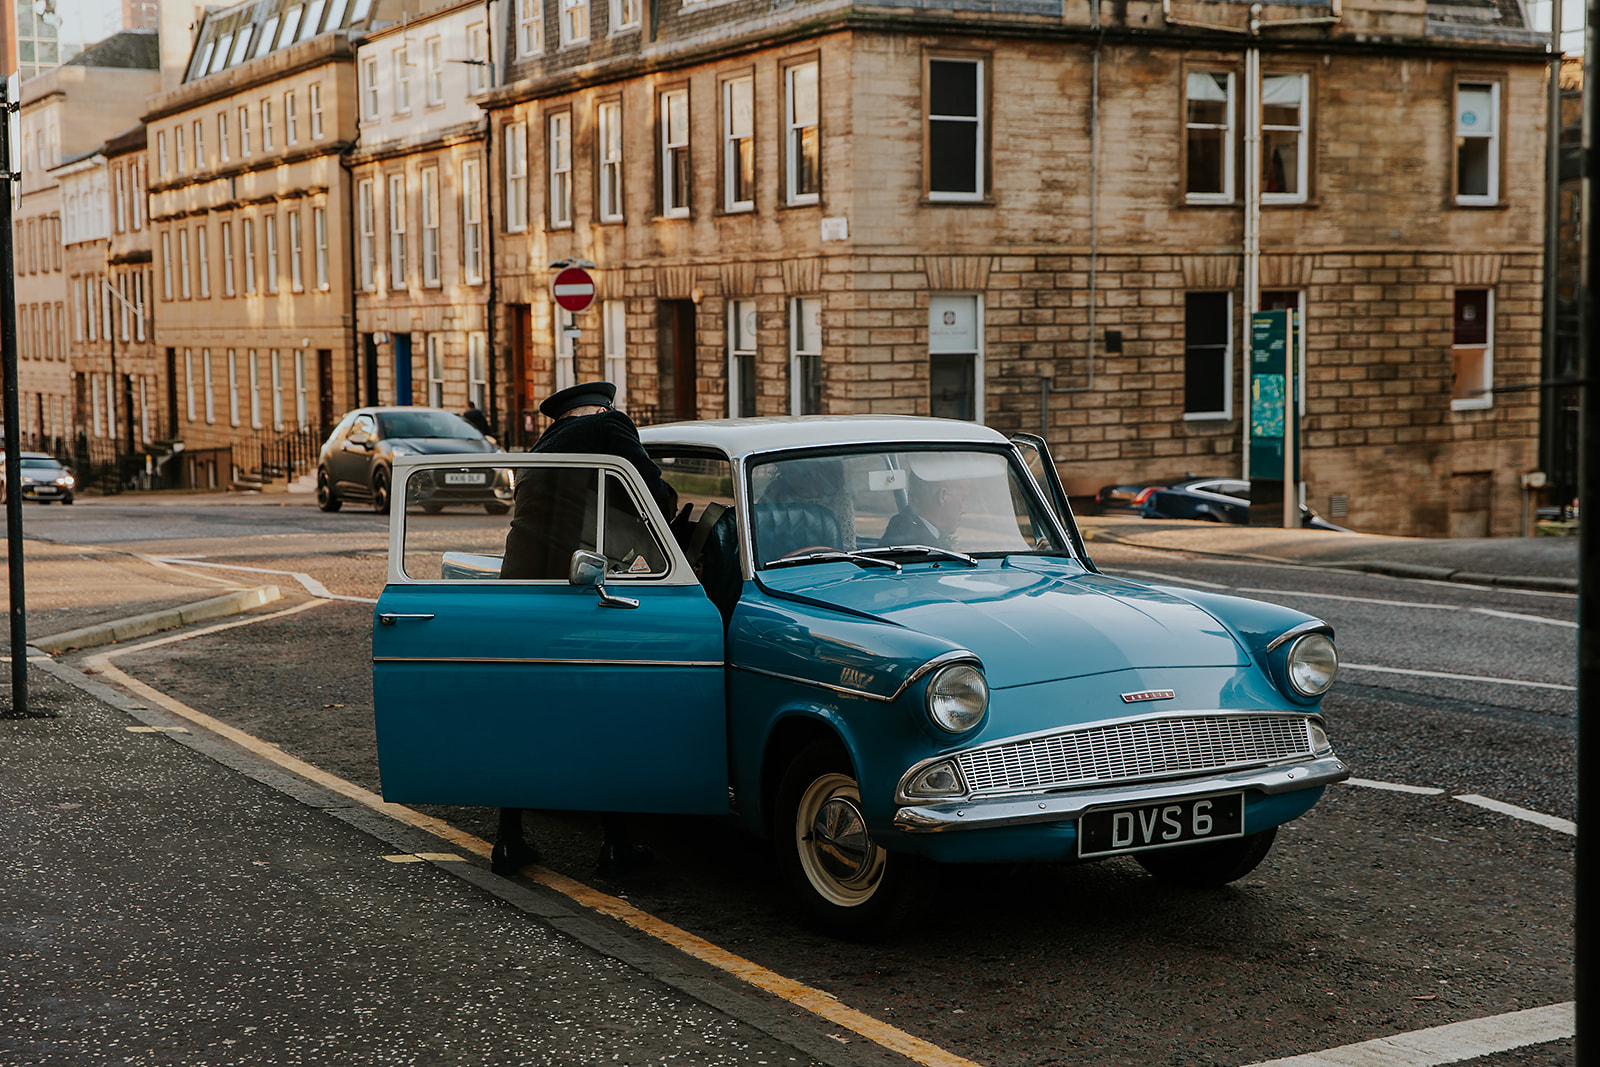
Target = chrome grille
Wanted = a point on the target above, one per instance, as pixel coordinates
(1152, 748)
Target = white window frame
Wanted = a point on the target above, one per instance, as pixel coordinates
(166, 274)
(980, 120)
(254, 366)
(1464, 132)
(799, 307)
(269, 228)
(244, 131)
(478, 370)
(302, 405)
(277, 389)
(397, 231)
(205, 366)
(1484, 401)
(674, 201)
(516, 156)
(367, 219)
(315, 92)
(224, 151)
(795, 127)
(432, 275)
(297, 261)
(233, 387)
(566, 358)
(291, 118)
(179, 155)
(472, 221)
(737, 309)
(477, 59)
(199, 144)
(319, 227)
(625, 15)
(191, 408)
(530, 27)
(574, 18)
(266, 125)
(433, 58)
(369, 89)
(401, 65)
(185, 273)
(614, 345)
(434, 347)
(609, 145)
(937, 303)
(558, 149)
(247, 233)
(94, 400)
(202, 263)
(1228, 127)
(733, 137)
(1301, 131)
(122, 201)
(162, 162)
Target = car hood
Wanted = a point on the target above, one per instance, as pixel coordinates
(437, 446)
(1029, 621)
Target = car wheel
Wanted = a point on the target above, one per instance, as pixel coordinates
(432, 509)
(1206, 866)
(67, 499)
(326, 500)
(845, 883)
(497, 509)
(380, 492)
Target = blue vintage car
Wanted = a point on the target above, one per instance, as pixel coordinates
(891, 645)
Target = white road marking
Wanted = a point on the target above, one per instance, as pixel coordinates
(1457, 677)
(1395, 787)
(310, 584)
(1525, 618)
(1174, 579)
(1448, 1044)
(1549, 822)
(1353, 599)
(426, 857)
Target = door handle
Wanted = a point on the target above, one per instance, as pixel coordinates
(389, 618)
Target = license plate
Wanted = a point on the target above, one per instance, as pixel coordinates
(1170, 822)
(465, 478)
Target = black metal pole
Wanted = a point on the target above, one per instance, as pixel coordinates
(8, 357)
(1587, 947)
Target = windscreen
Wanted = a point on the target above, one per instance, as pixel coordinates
(425, 423)
(969, 501)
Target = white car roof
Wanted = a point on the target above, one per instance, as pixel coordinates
(745, 437)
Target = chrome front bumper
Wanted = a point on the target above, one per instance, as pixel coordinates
(1021, 809)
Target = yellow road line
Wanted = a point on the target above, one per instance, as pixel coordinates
(819, 1003)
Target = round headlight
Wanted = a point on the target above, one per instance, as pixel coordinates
(957, 697)
(1312, 665)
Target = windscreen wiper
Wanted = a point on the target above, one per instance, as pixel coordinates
(860, 559)
(924, 550)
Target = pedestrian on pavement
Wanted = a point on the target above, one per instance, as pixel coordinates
(475, 418)
(585, 423)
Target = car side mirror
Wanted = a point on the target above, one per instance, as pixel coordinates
(589, 568)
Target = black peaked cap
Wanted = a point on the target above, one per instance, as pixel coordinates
(577, 396)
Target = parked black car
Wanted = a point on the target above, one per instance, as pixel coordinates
(357, 459)
(1213, 500)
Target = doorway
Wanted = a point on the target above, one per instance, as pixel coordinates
(402, 369)
(675, 360)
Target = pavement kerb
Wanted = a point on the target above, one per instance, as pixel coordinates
(106, 633)
(1373, 566)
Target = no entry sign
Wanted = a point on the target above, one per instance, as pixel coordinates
(573, 289)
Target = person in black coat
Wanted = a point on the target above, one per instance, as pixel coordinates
(538, 545)
(934, 510)
(474, 417)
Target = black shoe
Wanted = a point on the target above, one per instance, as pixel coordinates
(617, 861)
(509, 859)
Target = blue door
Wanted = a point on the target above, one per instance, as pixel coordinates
(537, 693)
(402, 369)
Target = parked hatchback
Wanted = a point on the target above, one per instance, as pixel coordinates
(357, 461)
(44, 479)
(891, 646)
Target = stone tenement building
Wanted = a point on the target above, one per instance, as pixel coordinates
(1045, 214)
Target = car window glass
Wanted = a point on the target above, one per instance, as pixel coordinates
(423, 422)
(629, 542)
(472, 548)
(361, 429)
(31, 462)
(699, 480)
(971, 501)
